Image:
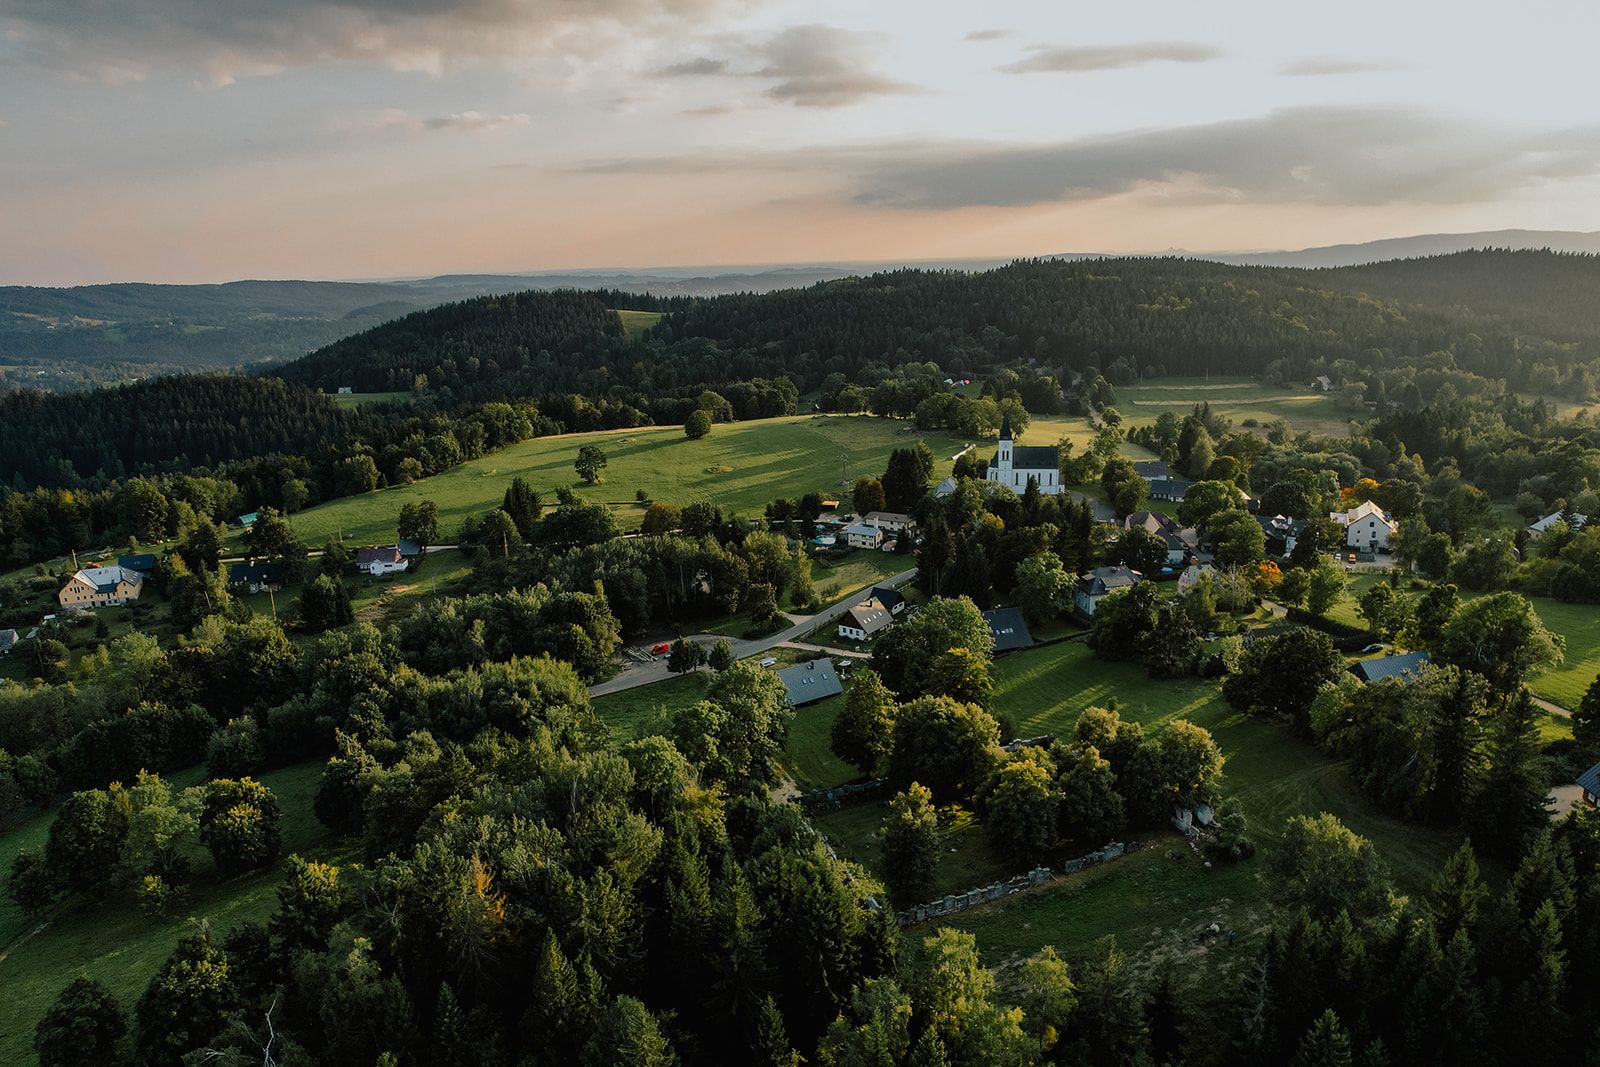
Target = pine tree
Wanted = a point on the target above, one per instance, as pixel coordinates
(1326, 1044)
(772, 1048)
(1510, 807)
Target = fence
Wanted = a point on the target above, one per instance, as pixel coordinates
(973, 897)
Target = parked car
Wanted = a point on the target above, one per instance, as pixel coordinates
(661, 649)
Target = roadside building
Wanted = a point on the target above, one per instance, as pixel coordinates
(1366, 526)
(100, 587)
(865, 620)
(381, 561)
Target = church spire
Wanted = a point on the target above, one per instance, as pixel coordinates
(1005, 427)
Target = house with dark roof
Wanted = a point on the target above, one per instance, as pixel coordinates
(1013, 464)
(1403, 667)
(1151, 469)
(409, 549)
(892, 521)
(99, 587)
(1180, 543)
(865, 620)
(807, 683)
(1281, 533)
(889, 598)
(255, 577)
(1010, 629)
(1589, 782)
(1169, 488)
(142, 564)
(379, 561)
(1094, 586)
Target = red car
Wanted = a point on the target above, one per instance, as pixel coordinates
(662, 649)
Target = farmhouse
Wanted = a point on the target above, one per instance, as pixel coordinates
(863, 535)
(99, 587)
(379, 561)
(865, 620)
(1010, 629)
(1367, 526)
(255, 577)
(1589, 782)
(807, 683)
(1014, 464)
(1404, 667)
(1094, 586)
(1180, 543)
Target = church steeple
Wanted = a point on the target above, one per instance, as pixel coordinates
(1005, 427)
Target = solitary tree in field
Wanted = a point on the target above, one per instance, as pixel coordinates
(697, 425)
(84, 1026)
(590, 462)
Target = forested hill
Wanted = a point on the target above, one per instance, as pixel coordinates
(460, 344)
(179, 423)
(1556, 294)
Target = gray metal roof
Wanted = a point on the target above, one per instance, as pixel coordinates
(1402, 666)
(807, 683)
(1590, 780)
(1010, 629)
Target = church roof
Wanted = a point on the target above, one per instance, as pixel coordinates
(1032, 458)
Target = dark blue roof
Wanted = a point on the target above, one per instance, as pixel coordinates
(809, 682)
(252, 573)
(145, 562)
(1031, 458)
(1590, 780)
(1010, 629)
(1402, 666)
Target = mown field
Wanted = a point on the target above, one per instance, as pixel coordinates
(355, 400)
(117, 943)
(635, 323)
(1240, 399)
(739, 466)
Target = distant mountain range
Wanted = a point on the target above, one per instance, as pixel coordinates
(68, 338)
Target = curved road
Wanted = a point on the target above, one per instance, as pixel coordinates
(634, 675)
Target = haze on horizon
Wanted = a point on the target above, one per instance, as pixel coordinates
(181, 141)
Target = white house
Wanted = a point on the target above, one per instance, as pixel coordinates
(865, 621)
(99, 587)
(1014, 464)
(1192, 574)
(380, 561)
(893, 521)
(1094, 586)
(1366, 526)
(1180, 542)
(863, 535)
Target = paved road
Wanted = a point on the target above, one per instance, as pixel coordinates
(634, 675)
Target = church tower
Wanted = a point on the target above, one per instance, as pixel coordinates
(1006, 440)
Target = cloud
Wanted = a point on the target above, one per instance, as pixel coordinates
(1046, 59)
(807, 66)
(132, 39)
(1322, 66)
(986, 35)
(1338, 157)
(395, 120)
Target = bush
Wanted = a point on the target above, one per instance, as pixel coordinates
(235, 750)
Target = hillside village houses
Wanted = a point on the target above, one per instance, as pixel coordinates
(101, 587)
(1014, 464)
(1367, 526)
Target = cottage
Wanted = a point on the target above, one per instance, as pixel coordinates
(1573, 520)
(1367, 526)
(8, 641)
(249, 520)
(807, 683)
(1282, 533)
(1094, 586)
(1404, 667)
(1322, 383)
(1180, 543)
(1013, 465)
(863, 535)
(944, 488)
(1169, 488)
(865, 620)
(100, 587)
(255, 577)
(143, 564)
(1589, 782)
(1010, 629)
(381, 561)
(889, 598)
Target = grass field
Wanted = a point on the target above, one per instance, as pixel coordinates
(635, 323)
(355, 400)
(116, 942)
(1237, 398)
(739, 466)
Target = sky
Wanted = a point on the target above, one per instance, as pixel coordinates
(206, 140)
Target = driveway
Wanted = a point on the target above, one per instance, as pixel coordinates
(634, 675)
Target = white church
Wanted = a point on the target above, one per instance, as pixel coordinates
(1014, 464)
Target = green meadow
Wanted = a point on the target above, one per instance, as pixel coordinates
(1244, 400)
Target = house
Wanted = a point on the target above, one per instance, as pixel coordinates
(379, 561)
(1589, 782)
(142, 564)
(100, 587)
(1151, 469)
(944, 488)
(807, 683)
(1094, 586)
(1180, 543)
(255, 577)
(1010, 629)
(1281, 532)
(8, 641)
(1404, 667)
(1098, 509)
(863, 535)
(1367, 526)
(1192, 574)
(892, 521)
(1169, 488)
(1573, 520)
(865, 620)
(345, 390)
(409, 550)
(249, 520)
(889, 598)
(1014, 464)
(1322, 383)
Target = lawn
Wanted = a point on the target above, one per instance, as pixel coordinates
(355, 400)
(635, 323)
(739, 466)
(1240, 399)
(631, 712)
(116, 942)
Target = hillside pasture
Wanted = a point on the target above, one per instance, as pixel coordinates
(1240, 399)
(356, 400)
(635, 323)
(738, 466)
